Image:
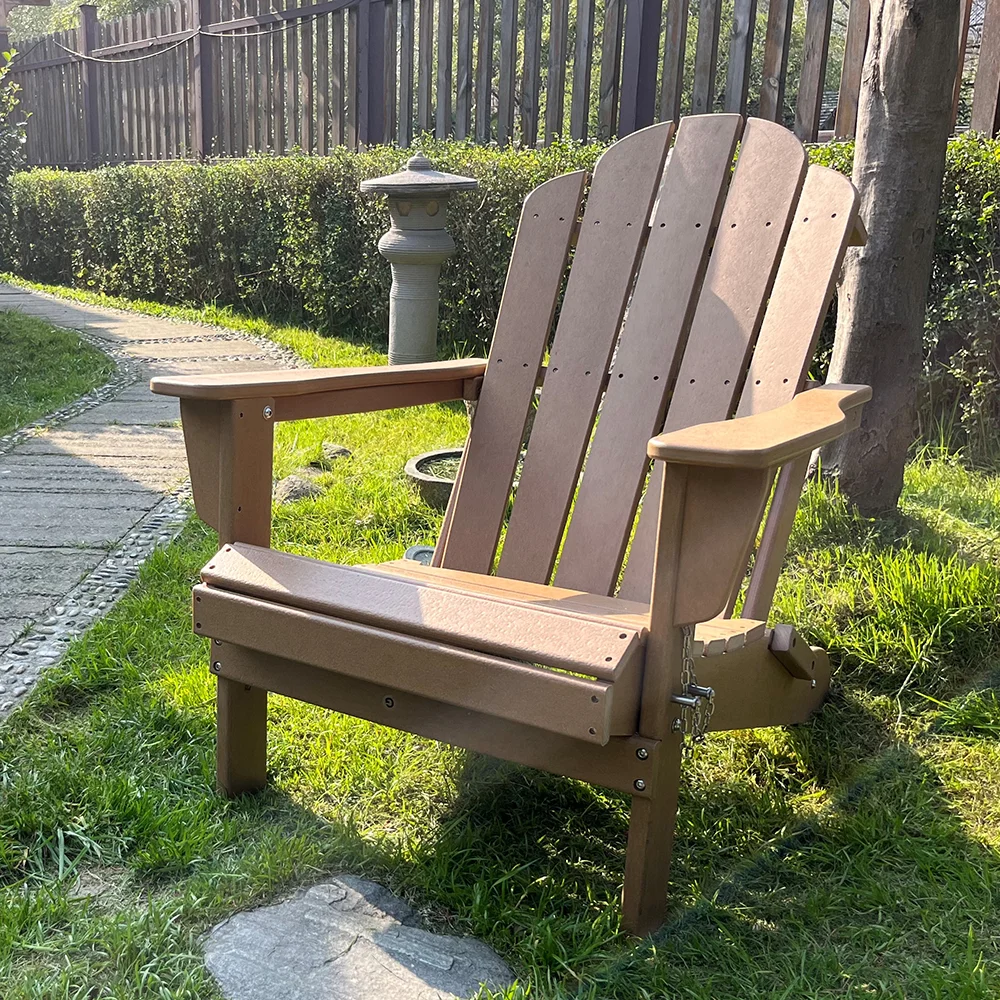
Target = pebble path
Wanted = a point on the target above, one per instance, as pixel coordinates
(88, 492)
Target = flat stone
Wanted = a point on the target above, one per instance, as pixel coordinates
(293, 488)
(329, 454)
(347, 939)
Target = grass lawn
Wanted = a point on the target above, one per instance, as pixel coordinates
(43, 368)
(855, 856)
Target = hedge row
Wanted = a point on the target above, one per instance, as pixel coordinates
(292, 238)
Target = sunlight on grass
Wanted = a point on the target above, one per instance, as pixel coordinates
(854, 856)
(43, 368)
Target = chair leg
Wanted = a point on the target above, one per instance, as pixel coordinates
(650, 846)
(241, 738)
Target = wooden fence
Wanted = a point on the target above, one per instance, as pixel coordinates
(229, 77)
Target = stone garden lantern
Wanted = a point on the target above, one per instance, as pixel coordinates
(416, 245)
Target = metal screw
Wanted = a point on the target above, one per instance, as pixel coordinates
(640, 785)
(216, 667)
(642, 753)
(389, 703)
(675, 726)
(218, 642)
(814, 683)
(268, 413)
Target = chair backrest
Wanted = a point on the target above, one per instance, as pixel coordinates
(697, 292)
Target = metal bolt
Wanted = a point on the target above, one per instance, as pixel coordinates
(814, 682)
(389, 703)
(218, 642)
(268, 413)
(642, 753)
(675, 726)
(640, 785)
(216, 667)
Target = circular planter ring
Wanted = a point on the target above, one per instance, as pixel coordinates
(435, 490)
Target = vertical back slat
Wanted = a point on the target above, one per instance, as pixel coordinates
(853, 65)
(777, 41)
(706, 56)
(508, 69)
(612, 233)
(579, 114)
(484, 73)
(531, 72)
(666, 291)
(555, 88)
(674, 44)
(740, 55)
(611, 62)
(752, 231)
(425, 65)
(537, 266)
(463, 97)
(817, 241)
(819, 21)
(446, 28)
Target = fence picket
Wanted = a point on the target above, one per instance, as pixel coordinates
(555, 96)
(463, 96)
(318, 73)
(580, 108)
(484, 73)
(531, 72)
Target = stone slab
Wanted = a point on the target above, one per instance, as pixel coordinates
(213, 349)
(49, 571)
(153, 411)
(347, 939)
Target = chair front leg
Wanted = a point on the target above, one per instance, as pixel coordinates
(230, 446)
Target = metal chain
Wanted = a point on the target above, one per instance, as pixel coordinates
(697, 703)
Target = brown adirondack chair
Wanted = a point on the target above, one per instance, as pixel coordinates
(717, 281)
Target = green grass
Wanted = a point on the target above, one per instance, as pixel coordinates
(42, 368)
(855, 856)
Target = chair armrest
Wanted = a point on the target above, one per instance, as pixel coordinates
(286, 388)
(765, 440)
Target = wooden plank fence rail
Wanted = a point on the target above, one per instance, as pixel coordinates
(210, 78)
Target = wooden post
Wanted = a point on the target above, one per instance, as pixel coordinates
(202, 107)
(639, 65)
(370, 69)
(850, 75)
(88, 78)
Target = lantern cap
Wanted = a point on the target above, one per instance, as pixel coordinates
(418, 179)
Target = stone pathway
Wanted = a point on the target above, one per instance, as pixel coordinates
(348, 939)
(88, 492)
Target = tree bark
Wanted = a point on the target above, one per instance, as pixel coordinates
(904, 119)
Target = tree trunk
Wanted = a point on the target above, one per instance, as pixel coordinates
(904, 119)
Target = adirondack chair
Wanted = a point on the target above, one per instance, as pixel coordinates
(696, 294)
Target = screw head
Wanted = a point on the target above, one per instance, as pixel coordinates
(268, 413)
(639, 784)
(216, 667)
(389, 703)
(813, 683)
(642, 753)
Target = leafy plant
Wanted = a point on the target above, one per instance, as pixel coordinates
(12, 124)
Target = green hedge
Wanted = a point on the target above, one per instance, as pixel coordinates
(292, 239)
